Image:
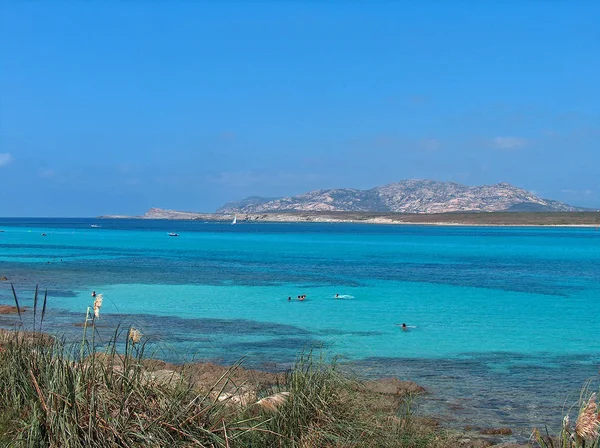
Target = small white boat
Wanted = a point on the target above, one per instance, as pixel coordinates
(95, 226)
(234, 220)
(173, 234)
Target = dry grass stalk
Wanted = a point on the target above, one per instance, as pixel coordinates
(587, 424)
(97, 305)
(311, 437)
(273, 402)
(566, 424)
(135, 335)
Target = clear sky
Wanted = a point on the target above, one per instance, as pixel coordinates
(119, 106)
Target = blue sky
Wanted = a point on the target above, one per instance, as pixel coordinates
(119, 106)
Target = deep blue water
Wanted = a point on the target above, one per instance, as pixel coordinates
(504, 318)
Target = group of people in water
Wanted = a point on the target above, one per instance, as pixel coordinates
(303, 297)
(403, 326)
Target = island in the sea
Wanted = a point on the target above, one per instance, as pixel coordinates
(405, 202)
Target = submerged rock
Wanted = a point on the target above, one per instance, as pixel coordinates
(394, 386)
(10, 309)
(467, 442)
(496, 431)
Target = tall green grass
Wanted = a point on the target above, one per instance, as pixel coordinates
(57, 399)
(328, 408)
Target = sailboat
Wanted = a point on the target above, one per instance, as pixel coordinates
(234, 220)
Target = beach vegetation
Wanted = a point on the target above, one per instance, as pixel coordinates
(54, 393)
(583, 432)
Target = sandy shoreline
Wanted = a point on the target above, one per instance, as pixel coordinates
(493, 219)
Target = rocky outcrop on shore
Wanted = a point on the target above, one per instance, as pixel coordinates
(238, 387)
(205, 375)
(394, 386)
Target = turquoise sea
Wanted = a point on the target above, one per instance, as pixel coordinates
(505, 320)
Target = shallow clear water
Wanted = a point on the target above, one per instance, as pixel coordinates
(505, 318)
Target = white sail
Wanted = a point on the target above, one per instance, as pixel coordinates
(234, 220)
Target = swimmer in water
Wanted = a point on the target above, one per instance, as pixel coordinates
(93, 293)
(337, 296)
(403, 326)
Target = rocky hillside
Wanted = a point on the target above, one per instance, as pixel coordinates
(407, 196)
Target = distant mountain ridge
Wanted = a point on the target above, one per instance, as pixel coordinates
(406, 196)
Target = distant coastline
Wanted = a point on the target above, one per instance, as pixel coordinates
(552, 219)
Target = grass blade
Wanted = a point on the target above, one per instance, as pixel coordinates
(35, 301)
(43, 309)
(17, 303)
